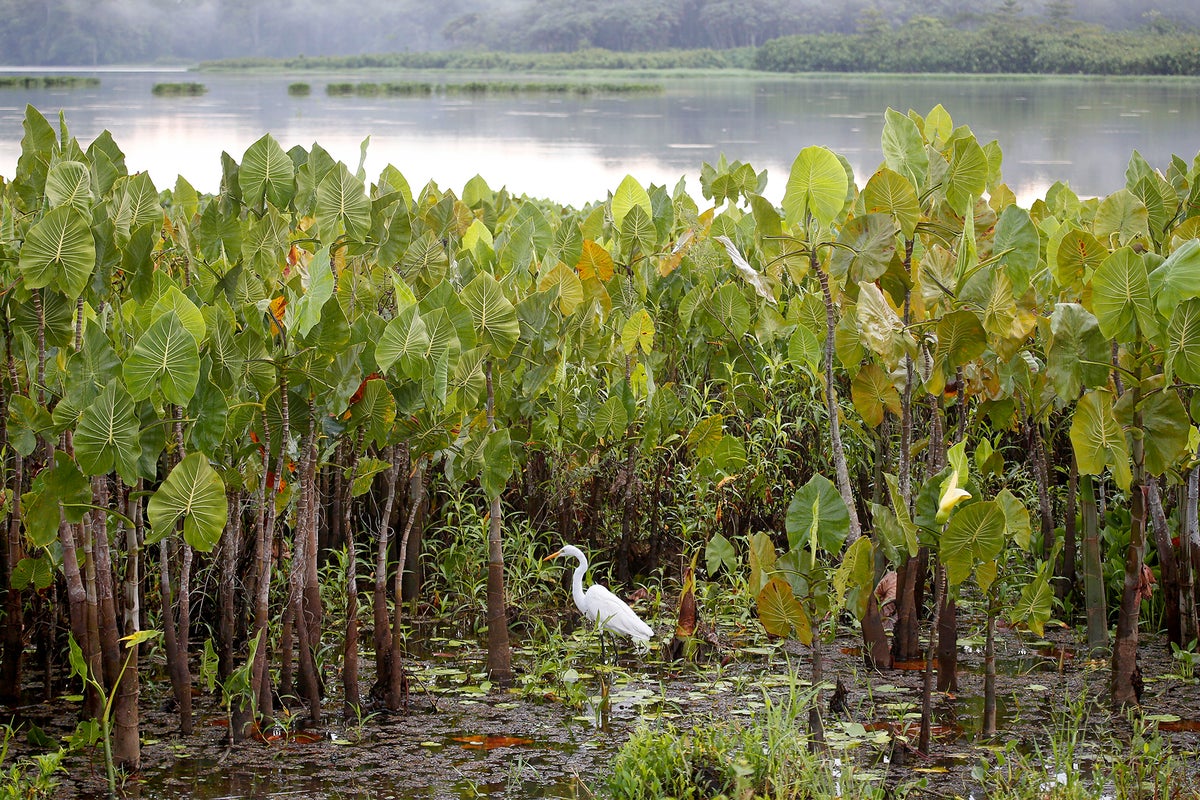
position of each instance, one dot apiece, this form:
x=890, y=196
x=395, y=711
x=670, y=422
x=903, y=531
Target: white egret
x=602, y=606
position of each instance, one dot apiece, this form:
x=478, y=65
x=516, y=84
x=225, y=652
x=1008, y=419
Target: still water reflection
x=574, y=149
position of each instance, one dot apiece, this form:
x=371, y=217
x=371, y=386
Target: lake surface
x=574, y=149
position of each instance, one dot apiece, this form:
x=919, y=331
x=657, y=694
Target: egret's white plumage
x=600, y=605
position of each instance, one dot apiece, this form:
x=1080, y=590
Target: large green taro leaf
x=974, y=534
x=165, y=356
x=59, y=252
x=106, y=438
x=1078, y=353
x=817, y=516
x=904, y=149
x=266, y=173
x=1183, y=343
x=781, y=613
x=341, y=202
x=493, y=316
x=1098, y=440
x=889, y=192
x=816, y=185
x=629, y=195
x=194, y=493
x=1121, y=297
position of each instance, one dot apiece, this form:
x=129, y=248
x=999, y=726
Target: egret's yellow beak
x=555, y=554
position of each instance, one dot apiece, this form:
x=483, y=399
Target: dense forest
x=75, y=32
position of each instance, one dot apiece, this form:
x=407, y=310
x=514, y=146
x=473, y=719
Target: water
x=575, y=149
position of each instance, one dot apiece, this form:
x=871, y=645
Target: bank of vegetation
x=929, y=45
x=47, y=82
x=246, y=436
x=499, y=61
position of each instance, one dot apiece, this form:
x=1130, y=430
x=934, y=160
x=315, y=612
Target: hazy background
x=96, y=32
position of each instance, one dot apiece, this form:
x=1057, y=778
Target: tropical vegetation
x=226, y=417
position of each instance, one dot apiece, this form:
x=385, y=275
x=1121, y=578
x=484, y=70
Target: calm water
x=575, y=149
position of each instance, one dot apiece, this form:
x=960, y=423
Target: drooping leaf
x=904, y=149
x=1016, y=518
x=868, y=244
x=1098, y=440
x=1079, y=253
x=1177, y=279
x=873, y=393
x=195, y=494
x=752, y=276
x=889, y=192
x=1183, y=343
x=498, y=463
x=1017, y=244
x=1165, y=425
x=781, y=613
x=960, y=338
x=638, y=331
x=1078, y=353
x=61, y=492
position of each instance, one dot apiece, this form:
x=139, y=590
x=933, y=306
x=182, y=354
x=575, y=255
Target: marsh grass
x=767, y=757
x=1086, y=759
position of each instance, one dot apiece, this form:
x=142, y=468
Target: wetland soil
x=544, y=738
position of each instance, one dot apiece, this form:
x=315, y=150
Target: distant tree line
x=93, y=32
x=926, y=44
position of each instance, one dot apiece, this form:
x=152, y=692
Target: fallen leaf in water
x=481, y=742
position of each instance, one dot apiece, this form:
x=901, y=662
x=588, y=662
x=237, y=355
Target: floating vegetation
x=425, y=89
x=187, y=89
x=47, y=82
x=299, y=89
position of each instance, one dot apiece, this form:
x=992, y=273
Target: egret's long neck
x=577, y=582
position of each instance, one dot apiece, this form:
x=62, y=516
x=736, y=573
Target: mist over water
x=575, y=149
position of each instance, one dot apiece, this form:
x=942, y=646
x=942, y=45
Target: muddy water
x=551, y=736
